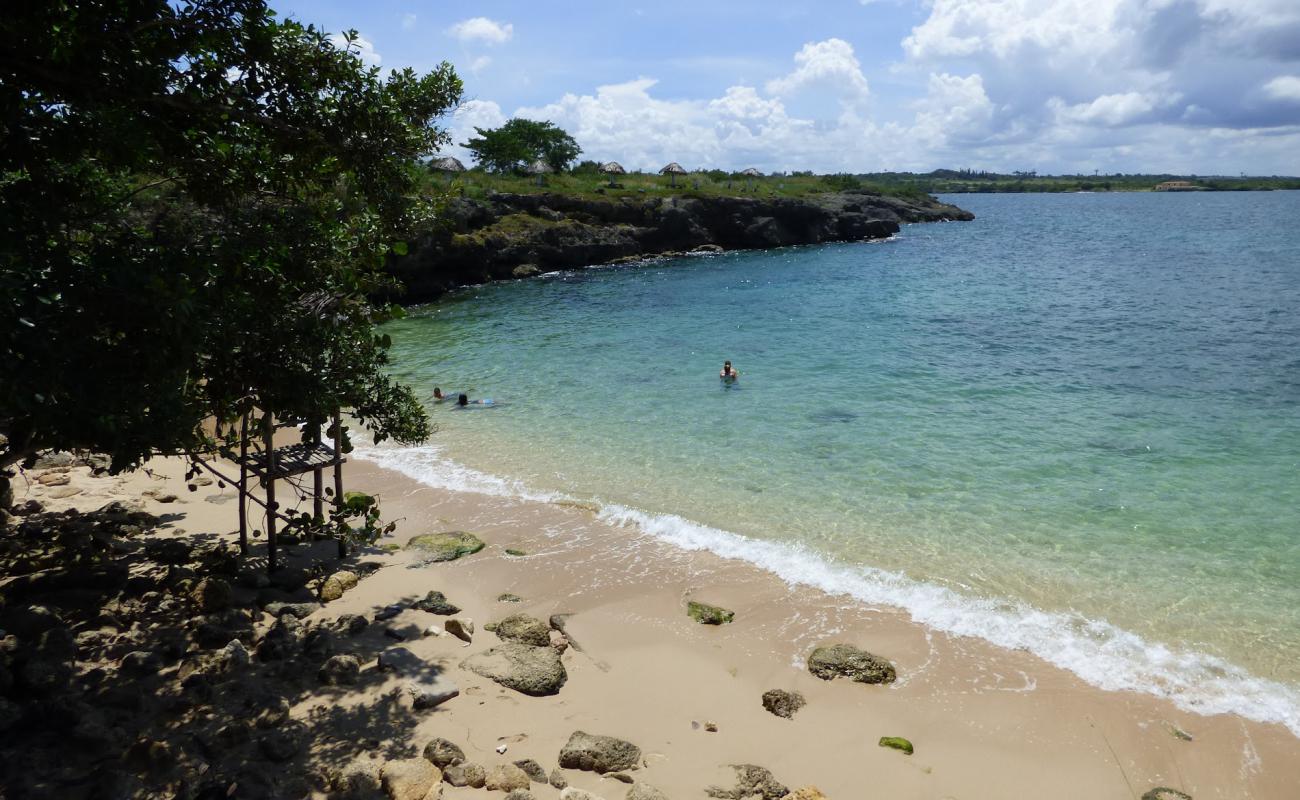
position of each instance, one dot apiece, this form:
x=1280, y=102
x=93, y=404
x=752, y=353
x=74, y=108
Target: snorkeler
x=727, y=373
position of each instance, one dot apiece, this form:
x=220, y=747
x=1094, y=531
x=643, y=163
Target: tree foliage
x=520, y=142
x=196, y=201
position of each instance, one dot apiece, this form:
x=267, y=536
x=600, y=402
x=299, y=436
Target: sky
x=1193, y=87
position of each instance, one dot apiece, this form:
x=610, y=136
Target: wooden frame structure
x=272, y=463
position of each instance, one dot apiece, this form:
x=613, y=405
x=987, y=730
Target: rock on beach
x=844, y=660
x=534, y=671
x=598, y=753
x=446, y=546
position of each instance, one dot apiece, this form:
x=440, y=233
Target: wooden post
x=338, y=475
x=318, y=480
x=243, y=484
x=268, y=434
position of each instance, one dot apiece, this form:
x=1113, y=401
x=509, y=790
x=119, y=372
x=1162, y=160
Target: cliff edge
x=520, y=235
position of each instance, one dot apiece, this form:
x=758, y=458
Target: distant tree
x=587, y=167
x=520, y=142
x=198, y=199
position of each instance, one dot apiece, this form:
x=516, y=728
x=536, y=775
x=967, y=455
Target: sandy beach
x=985, y=722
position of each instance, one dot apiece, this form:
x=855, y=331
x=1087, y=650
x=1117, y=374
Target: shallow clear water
x=1079, y=415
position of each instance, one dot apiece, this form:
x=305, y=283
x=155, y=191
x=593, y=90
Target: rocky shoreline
x=522, y=235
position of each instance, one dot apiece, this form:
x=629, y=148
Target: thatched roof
x=447, y=164
x=751, y=173
x=673, y=169
x=538, y=167
x=613, y=168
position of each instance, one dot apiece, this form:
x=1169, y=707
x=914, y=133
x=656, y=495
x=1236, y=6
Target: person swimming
x=438, y=396
x=463, y=401
x=728, y=373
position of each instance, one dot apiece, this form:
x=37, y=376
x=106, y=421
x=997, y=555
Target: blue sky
x=1184, y=86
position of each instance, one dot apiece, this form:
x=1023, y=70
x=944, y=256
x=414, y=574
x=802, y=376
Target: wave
x=1098, y=652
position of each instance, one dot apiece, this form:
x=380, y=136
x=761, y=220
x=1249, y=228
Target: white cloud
x=1113, y=110
x=479, y=64
x=362, y=47
x=828, y=64
x=1046, y=104
x=1087, y=73
x=482, y=29
x=1285, y=88
x=955, y=110
x=408, y=21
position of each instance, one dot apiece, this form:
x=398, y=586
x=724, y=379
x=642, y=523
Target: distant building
x=1178, y=186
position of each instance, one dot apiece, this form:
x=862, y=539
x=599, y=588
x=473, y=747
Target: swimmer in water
x=463, y=400
x=727, y=373
x=438, y=396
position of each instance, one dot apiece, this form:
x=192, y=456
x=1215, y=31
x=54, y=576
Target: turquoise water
x=1072, y=425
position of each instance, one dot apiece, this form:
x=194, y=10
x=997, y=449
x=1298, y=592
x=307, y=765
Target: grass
x=591, y=185
x=478, y=185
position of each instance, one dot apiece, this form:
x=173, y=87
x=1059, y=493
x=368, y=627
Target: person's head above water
x=437, y=393
x=726, y=368
x=462, y=400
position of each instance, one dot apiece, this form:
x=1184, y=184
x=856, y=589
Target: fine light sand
x=985, y=722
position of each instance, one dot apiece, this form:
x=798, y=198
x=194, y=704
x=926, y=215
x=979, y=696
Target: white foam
x=1100, y=653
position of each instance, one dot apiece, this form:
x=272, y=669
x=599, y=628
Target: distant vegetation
x=586, y=180
x=947, y=180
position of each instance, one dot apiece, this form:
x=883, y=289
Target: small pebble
x=501, y=748
x=711, y=727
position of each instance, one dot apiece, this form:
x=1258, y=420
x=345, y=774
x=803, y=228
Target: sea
x=1071, y=426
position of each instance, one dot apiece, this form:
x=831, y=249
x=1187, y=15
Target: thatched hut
x=538, y=168
x=612, y=168
x=672, y=171
x=446, y=164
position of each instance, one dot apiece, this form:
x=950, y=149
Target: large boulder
x=211, y=595
x=807, y=793
x=598, y=753
x=340, y=670
x=358, y=779
x=534, y=671
x=644, y=791
x=446, y=546
x=844, y=660
x=409, y=778
x=524, y=629
x=436, y=603
x=751, y=781
x=443, y=753
x=462, y=629
x=506, y=778
x=282, y=641
x=471, y=775
x=533, y=769
x=336, y=584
